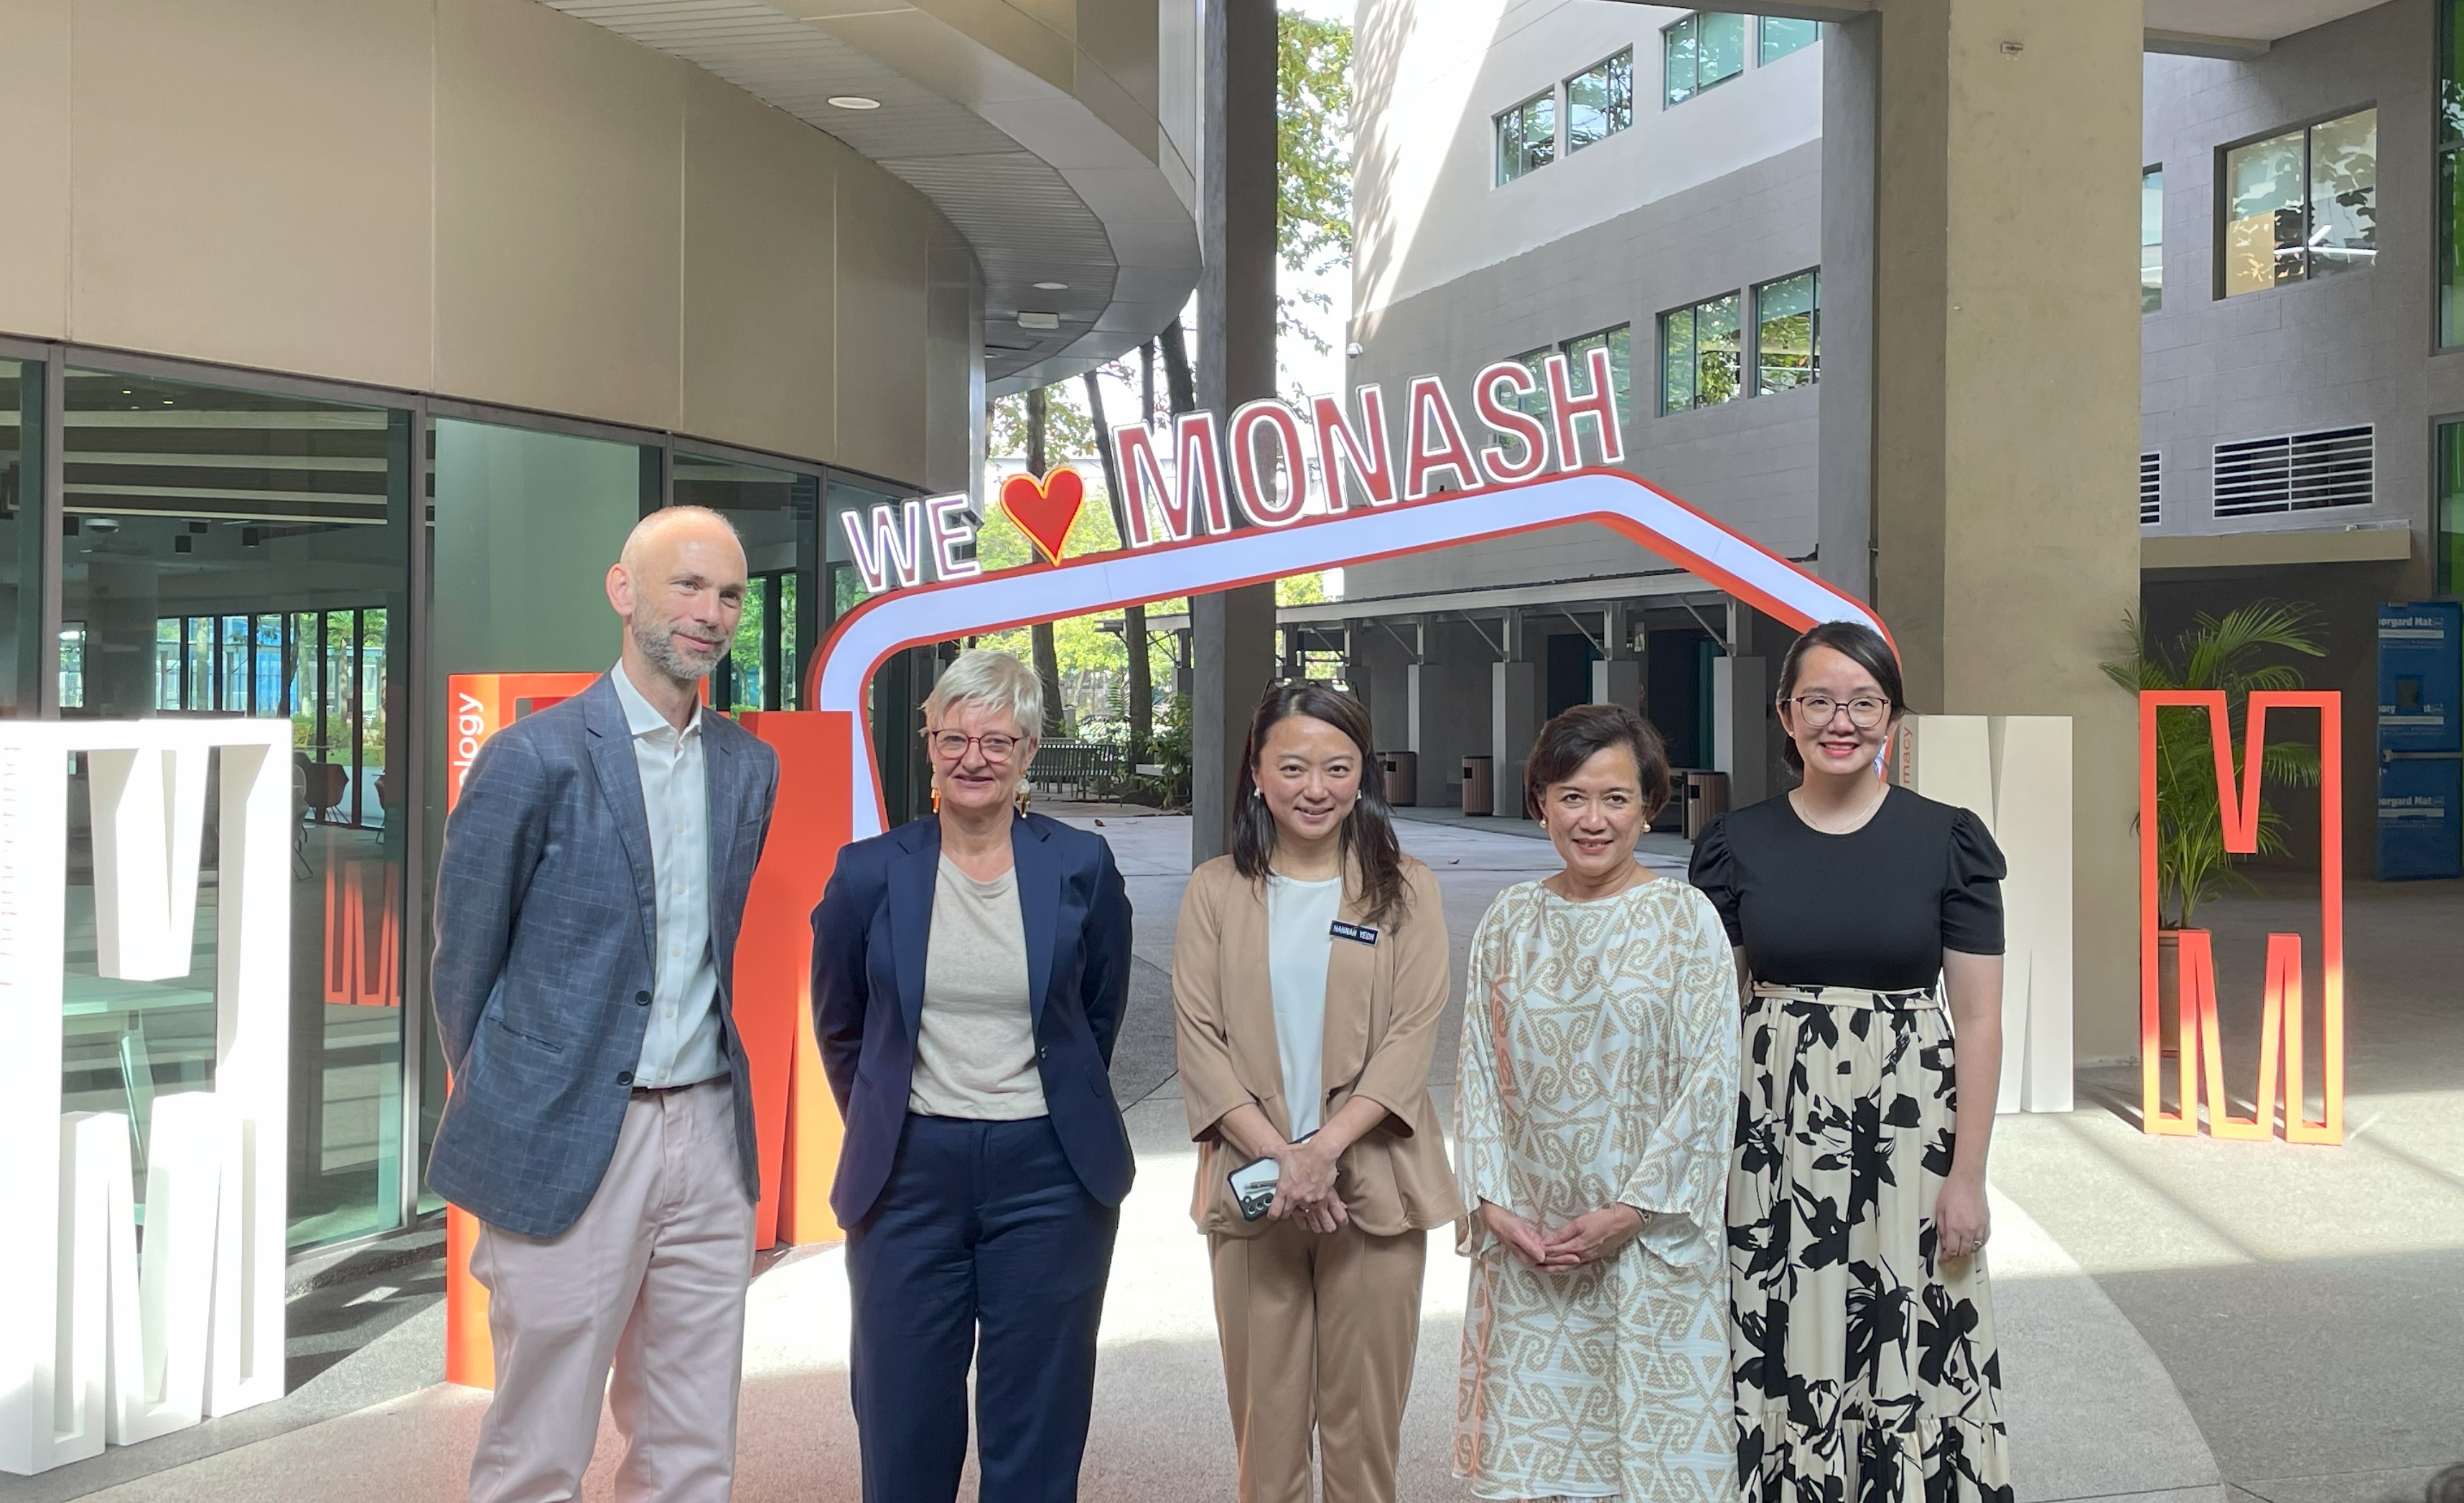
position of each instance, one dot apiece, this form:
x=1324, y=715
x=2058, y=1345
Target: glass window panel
x=1781, y=37
x=1721, y=53
x=2343, y=193
x=21, y=553
x=1718, y=353
x=522, y=531
x=777, y=513
x=1619, y=343
x=1535, y=402
x=1677, y=48
x=2263, y=186
x=2451, y=71
x=1599, y=101
x=202, y=519
x=1677, y=360
x=1526, y=136
x=1785, y=333
x=2450, y=249
x=2151, y=239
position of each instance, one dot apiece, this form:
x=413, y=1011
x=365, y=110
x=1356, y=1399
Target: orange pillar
x=795, y=1119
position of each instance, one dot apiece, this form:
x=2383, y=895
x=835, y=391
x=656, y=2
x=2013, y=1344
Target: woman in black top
x=1862, y=1328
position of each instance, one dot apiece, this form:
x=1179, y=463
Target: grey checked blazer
x=546, y=925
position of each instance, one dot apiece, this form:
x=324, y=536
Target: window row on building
x=1618, y=341
x=1759, y=343
x=1702, y=50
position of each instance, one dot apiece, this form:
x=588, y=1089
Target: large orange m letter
x=2281, y=1026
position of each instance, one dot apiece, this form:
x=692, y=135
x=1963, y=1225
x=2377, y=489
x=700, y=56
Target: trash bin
x=1402, y=774
x=1707, y=798
x=1480, y=786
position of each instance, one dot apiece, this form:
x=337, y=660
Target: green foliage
x=2235, y=656
x=1314, y=146
x=1171, y=749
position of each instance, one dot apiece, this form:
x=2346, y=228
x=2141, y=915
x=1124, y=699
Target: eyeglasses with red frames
x=952, y=745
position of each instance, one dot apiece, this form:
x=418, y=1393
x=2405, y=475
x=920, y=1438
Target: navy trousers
x=984, y=1227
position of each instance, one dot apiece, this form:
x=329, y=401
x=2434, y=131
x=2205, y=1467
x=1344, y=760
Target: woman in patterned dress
x=1866, y=1365
x=1597, y=1086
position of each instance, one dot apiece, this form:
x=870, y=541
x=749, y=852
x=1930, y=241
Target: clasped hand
x=1304, y=1188
x=1592, y=1237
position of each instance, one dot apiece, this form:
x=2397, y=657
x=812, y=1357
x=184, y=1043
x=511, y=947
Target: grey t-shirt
x=975, y=1048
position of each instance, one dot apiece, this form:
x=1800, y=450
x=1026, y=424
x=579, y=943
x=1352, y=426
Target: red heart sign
x=1045, y=511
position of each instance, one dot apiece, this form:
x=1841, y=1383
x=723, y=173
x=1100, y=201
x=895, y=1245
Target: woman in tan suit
x=1308, y=973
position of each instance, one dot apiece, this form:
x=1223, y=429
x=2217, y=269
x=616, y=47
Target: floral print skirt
x=1865, y=1368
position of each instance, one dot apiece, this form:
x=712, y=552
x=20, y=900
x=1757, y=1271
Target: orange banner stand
x=2282, y=1042
x=793, y=1114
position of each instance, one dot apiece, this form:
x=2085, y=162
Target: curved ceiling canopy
x=1040, y=178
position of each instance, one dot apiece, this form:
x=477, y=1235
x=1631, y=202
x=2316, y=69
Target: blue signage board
x=2421, y=676
x=2421, y=819
x=2421, y=741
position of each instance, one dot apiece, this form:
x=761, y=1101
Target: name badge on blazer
x=1362, y=933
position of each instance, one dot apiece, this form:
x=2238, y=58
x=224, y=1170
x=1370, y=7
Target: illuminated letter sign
x=952, y=529
x=1599, y=405
x=1364, y=454
x=1261, y=500
x=97, y=1343
x=1198, y=491
x=2282, y=1014
x=890, y=548
x=1432, y=417
x=1509, y=422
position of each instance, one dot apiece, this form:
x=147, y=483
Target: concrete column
x=1424, y=698
x=1844, y=447
x=2005, y=404
x=1740, y=687
x=1618, y=680
x=1235, y=629
x=1514, y=705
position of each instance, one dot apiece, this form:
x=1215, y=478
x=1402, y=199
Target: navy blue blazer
x=870, y=934
x=546, y=931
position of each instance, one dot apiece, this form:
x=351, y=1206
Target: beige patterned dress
x=1599, y=1067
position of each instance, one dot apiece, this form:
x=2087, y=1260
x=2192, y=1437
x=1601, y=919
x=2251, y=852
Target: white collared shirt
x=682, y=1043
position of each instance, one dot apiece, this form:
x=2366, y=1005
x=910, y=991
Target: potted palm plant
x=2240, y=654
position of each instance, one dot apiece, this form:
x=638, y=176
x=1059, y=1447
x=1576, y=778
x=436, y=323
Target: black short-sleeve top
x=1873, y=909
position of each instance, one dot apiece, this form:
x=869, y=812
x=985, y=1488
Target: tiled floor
x=2181, y=1319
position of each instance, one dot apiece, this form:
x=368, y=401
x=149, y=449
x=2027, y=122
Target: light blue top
x=682, y=1044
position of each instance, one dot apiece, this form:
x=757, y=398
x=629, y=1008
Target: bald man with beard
x=601, y=1121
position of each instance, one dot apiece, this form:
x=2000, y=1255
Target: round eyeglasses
x=1864, y=712
x=952, y=745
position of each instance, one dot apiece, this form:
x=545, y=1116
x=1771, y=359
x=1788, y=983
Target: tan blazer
x=1382, y=1006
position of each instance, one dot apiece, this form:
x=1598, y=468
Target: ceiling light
x=103, y=523
x=1051, y=286
x=853, y=101
x=1039, y=321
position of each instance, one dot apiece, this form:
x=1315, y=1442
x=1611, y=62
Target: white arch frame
x=886, y=624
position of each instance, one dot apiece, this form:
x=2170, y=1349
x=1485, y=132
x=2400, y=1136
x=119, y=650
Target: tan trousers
x=1318, y=1332
x=651, y=1278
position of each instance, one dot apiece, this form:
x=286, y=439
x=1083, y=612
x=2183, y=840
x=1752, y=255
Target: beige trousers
x=651, y=1278
x=1318, y=1334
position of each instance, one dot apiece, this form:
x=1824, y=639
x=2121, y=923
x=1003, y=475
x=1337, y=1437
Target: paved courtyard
x=2182, y=1319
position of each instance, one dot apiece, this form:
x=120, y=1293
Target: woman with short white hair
x=969, y=972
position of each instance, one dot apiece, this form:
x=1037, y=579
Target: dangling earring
x=936, y=798
x=1024, y=794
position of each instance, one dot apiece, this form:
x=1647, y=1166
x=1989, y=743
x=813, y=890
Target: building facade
x=1540, y=175
x=341, y=346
